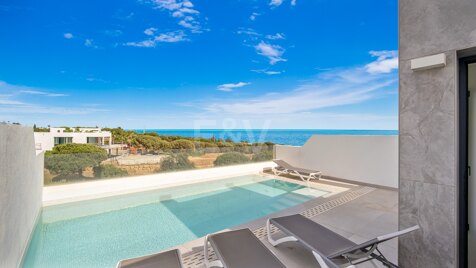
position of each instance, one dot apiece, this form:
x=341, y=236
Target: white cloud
x=276, y=36
x=11, y=102
x=386, y=62
x=113, y=33
x=187, y=4
x=272, y=72
x=37, y=92
x=90, y=43
x=248, y=31
x=332, y=89
x=190, y=23
x=276, y=2
x=272, y=52
x=167, y=4
x=254, y=15
x=230, y=87
x=180, y=9
x=170, y=37
x=41, y=109
x=183, y=11
x=15, y=90
x=145, y=43
x=293, y=2
x=87, y=42
x=267, y=72
x=68, y=35
x=150, y=31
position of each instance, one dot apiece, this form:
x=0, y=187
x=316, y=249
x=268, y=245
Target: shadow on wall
x=364, y=159
x=21, y=186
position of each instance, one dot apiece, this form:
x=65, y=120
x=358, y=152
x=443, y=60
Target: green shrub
x=262, y=156
x=176, y=162
x=150, y=142
x=182, y=144
x=109, y=171
x=69, y=159
x=225, y=146
x=205, y=144
x=40, y=129
x=119, y=135
x=207, y=147
x=153, y=134
x=243, y=147
x=232, y=158
x=69, y=164
x=161, y=145
x=75, y=148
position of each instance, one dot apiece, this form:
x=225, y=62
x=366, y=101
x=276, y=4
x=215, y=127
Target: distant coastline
x=294, y=137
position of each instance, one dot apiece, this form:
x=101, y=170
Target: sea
x=296, y=137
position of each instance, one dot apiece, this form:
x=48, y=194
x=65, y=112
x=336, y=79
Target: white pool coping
x=54, y=195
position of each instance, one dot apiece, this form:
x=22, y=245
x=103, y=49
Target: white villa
x=45, y=141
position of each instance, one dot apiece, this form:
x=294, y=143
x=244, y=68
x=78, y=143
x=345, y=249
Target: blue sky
x=200, y=64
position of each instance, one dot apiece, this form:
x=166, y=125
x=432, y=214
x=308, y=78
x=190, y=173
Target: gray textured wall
x=21, y=186
x=428, y=127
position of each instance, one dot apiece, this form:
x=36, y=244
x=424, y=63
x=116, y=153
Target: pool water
x=99, y=233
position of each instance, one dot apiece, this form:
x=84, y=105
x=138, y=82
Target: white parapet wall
x=366, y=159
x=21, y=185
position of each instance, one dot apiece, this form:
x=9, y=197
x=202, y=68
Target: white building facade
x=45, y=141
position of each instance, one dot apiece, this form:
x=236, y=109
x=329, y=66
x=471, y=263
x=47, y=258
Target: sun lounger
x=328, y=244
x=165, y=259
x=286, y=168
x=238, y=249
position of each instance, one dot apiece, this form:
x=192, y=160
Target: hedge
x=232, y=158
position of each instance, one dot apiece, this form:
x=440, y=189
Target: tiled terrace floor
x=363, y=218
x=359, y=220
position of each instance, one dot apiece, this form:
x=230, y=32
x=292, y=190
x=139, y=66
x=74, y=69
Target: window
x=93, y=140
x=63, y=140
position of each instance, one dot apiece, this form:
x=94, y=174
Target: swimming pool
x=99, y=233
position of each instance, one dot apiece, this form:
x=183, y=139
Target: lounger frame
x=306, y=177
x=179, y=254
x=357, y=254
x=215, y=263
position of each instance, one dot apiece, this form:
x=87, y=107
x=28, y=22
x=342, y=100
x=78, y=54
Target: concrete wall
x=21, y=186
x=428, y=128
x=366, y=159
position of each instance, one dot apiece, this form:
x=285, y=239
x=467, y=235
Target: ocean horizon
x=296, y=137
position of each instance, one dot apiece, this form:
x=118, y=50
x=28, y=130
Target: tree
x=150, y=143
x=182, y=144
x=232, y=158
x=176, y=162
x=72, y=158
x=109, y=171
x=40, y=129
x=262, y=156
x=154, y=134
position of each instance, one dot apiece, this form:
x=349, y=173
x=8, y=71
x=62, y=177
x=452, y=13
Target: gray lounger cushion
x=313, y=235
x=286, y=165
x=166, y=259
x=241, y=248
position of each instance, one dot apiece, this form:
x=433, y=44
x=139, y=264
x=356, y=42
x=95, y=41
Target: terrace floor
x=359, y=214
x=360, y=220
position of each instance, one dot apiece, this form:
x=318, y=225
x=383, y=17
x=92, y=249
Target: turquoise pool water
x=99, y=233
